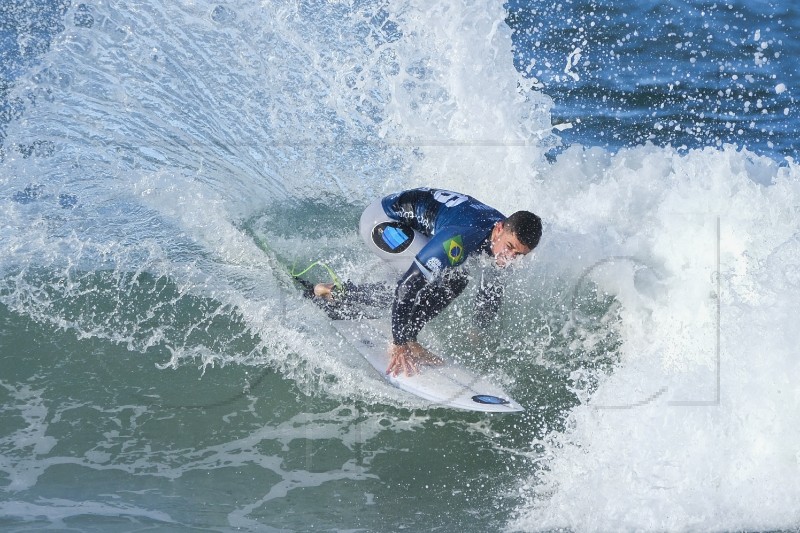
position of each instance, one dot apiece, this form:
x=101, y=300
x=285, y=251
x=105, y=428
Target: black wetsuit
x=458, y=226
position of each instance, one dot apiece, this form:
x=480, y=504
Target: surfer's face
x=505, y=245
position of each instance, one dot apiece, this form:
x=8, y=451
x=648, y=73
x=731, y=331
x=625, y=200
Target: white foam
x=458, y=100
x=695, y=427
x=175, y=119
x=61, y=513
x=32, y=438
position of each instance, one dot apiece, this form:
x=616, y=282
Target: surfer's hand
x=399, y=361
x=406, y=358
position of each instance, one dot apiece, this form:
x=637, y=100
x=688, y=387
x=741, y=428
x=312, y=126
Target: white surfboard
x=448, y=385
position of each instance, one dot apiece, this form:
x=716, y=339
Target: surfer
x=429, y=233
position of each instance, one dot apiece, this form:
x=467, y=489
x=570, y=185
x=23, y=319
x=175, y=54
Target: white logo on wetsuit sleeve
x=434, y=265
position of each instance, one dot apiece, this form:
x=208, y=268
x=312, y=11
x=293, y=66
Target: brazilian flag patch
x=455, y=250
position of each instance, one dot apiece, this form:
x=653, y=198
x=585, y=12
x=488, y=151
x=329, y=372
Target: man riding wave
x=429, y=233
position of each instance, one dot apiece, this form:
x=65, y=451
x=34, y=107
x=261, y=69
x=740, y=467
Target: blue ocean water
x=163, y=164
x=687, y=74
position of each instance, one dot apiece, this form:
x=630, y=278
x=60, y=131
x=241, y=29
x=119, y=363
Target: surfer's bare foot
x=406, y=358
x=324, y=290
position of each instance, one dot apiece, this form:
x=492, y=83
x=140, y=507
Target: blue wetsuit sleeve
x=409, y=315
x=405, y=325
x=445, y=251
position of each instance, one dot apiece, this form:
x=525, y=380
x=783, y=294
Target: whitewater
x=163, y=162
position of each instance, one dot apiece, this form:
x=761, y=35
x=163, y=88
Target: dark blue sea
x=164, y=164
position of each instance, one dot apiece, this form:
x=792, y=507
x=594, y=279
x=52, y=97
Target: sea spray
x=693, y=427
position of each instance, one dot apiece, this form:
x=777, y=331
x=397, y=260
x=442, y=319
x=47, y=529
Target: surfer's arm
x=420, y=296
x=487, y=303
x=406, y=324
x=405, y=353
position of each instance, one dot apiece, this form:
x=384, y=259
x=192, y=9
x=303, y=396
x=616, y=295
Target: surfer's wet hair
x=526, y=226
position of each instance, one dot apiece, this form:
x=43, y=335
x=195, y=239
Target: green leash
x=336, y=281
x=261, y=243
